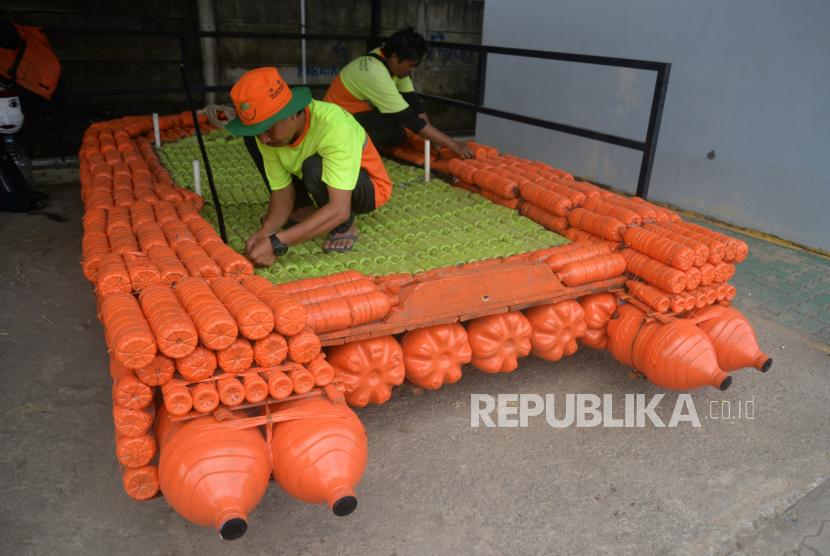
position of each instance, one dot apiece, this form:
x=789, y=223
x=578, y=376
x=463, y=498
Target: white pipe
x=207, y=22
x=156, y=129
x=302, y=31
x=426, y=159
x=197, y=178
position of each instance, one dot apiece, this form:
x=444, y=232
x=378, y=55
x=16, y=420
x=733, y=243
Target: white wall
x=750, y=80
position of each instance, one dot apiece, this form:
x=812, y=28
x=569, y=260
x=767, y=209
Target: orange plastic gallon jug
x=497, y=341
x=210, y=472
x=733, y=338
x=433, y=355
x=555, y=329
x=368, y=369
x=320, y=459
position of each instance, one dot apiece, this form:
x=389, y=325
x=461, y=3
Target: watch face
x=280, y=249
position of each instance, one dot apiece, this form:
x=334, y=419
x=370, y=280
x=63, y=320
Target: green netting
x=425, y=225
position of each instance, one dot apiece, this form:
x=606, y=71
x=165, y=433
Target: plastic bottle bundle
x=128, y=334
x=605, y=227
x=175, y=334
x=217, y=328
x=113, y=275
x=254, y=318
x=171, y=270
x=592, y=270
x=289, y=315
x=623, y=214
x=197, y=262
x=231, y=262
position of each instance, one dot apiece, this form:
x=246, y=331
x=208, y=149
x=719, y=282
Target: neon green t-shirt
x=330, y=132
x=369, y=80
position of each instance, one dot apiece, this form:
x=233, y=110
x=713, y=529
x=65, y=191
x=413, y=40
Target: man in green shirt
x=377, y=90
x=305, y=150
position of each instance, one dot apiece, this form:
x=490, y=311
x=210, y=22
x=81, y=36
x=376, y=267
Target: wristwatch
x=280, y=249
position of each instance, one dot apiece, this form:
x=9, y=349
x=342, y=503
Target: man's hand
x=262, y=253
x=254, y=239
x=461, y=150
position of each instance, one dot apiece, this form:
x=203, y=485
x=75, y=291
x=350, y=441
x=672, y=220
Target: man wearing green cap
x=305, y=150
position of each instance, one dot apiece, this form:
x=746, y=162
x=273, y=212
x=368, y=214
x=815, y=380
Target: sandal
x=340, y=249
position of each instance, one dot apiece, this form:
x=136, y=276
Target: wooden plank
x=397, y=321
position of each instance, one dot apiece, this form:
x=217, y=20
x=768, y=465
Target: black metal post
x=482, y=77
x=58, y=119
x=661, y=84
x=375, y=31
x=213, y=194
x=185, y=45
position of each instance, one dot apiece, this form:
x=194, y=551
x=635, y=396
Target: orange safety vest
x=32, y=64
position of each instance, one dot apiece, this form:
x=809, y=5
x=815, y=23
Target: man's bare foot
x=341, y=242
x=302, y=213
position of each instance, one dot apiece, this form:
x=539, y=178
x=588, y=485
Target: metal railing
x=647, y=147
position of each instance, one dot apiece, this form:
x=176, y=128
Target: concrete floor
x=433, y=484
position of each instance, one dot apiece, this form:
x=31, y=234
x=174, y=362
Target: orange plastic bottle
x=177, y=398
x=598, y=308
x=211, y=473
x=734, y=339
x=231, y=391
x=302, y=380
x=321, y=370
x=555, y=329
x=256, y=389
x=205, y=397
x=368, y=369
x=320, y=459
x=433, y=355
x=497, y=341
x=279, y=385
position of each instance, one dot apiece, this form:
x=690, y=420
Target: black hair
x=407, y=44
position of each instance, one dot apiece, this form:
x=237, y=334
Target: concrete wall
x=123, y=62
x=749, y=88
